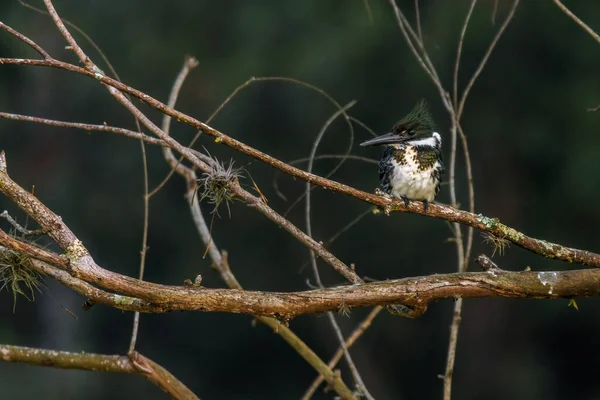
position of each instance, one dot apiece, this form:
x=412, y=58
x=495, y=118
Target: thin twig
x=363, y=125
x=471, y=190
x=423, y=60
x=463, y=257
x=221, y=264
x=85, y=127
x=357, y=333
x=68, y=37
x=593, y=109
x=369, y=11
x=485, y=58
x=220, y=261
x=25, y=39
x=353, y=369
x=18, y=227
x=307, y=218
x=82, y=33
x=418, y=19
x=144, y=249
x=334, y=157
x=578, y=21
x=459, y=52
x=189, y=64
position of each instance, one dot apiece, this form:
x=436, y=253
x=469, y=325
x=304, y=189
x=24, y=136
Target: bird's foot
x=425, y=205
x=406, y=200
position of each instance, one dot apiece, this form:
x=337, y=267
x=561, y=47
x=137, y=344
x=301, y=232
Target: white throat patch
x=435, y=141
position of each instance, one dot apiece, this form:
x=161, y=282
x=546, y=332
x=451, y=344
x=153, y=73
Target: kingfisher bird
x=411, y=167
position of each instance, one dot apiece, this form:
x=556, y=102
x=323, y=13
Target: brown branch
x=359, y=383
x=26, y=40
x=221, y=264
x=489, y=51
x=417, y=292
x=577, y=20
x=459, y=52
x=69, y=38
x=492, y=225
x=85, y=127
x=97, y=296
x=27, y=232
x=220, y=259
x=189, y=64
x=439, y=211
x=138, y=365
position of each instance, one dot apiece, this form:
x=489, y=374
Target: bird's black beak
x=387, y=138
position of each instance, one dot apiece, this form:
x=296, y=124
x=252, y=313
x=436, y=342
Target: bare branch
x=18, y=227
x=69, y=38
x=336, y=328
x=25, y=39
x=144, y=247
x=485, y=58
x=139, y=365
x=491, y=225
x=577, y=20
x=422, y=58
x=418, y=19
x=85, y=127
x=221, y=264
x=189, y=63
x=459, y=52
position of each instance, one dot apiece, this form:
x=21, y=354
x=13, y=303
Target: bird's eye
x=412, y=133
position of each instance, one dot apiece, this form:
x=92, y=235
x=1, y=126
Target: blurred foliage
x=534, y=149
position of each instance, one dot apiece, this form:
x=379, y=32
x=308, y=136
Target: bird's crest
x=418, y=121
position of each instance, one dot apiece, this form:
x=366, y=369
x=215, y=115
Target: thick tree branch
x=417, y=292
x=138, y=364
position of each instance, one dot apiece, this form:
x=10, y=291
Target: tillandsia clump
x=17, y=275
x=213, y=186
x=499, y=244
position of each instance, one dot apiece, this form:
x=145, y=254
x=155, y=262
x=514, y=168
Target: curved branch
x=138, y=364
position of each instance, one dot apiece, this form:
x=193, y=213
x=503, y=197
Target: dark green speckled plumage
x=419, y=121
x=411, y=167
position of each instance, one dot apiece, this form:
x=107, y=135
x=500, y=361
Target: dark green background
x=534, y=150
